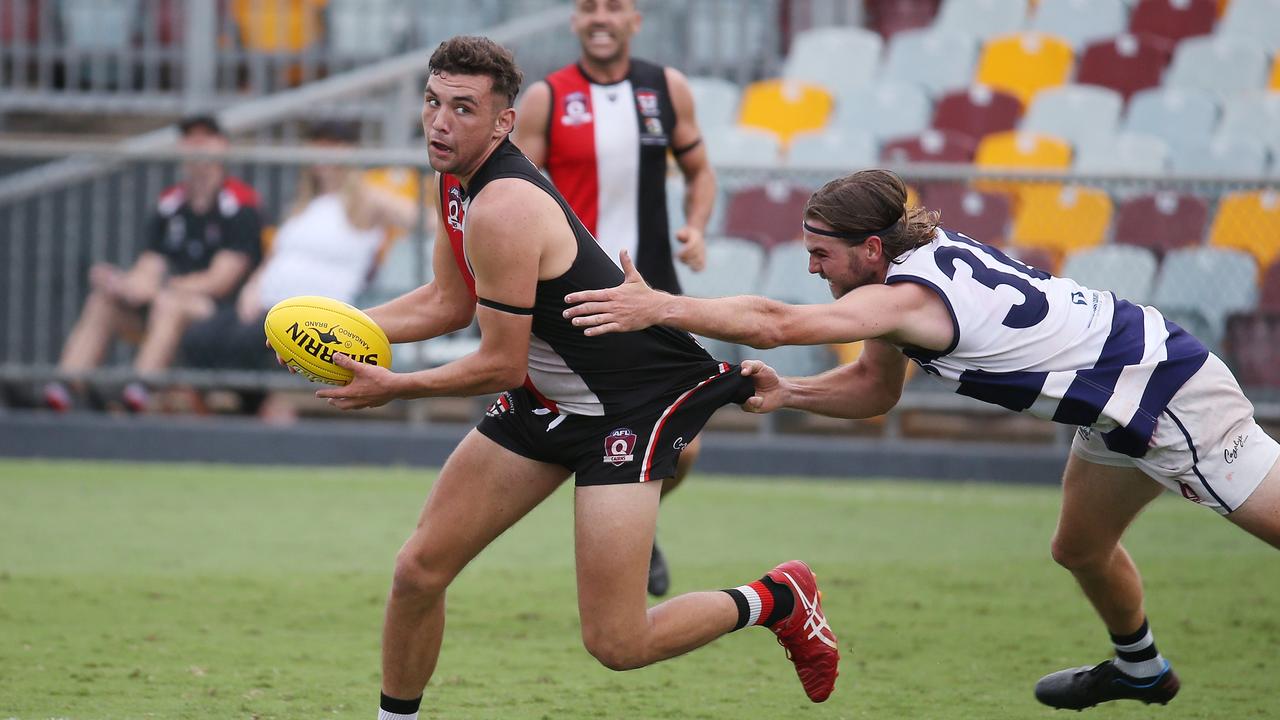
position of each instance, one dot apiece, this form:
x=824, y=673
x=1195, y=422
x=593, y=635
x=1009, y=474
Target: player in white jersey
x=1155, y=409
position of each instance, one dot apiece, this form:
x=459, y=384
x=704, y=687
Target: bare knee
x=613, y=651
x=1080, y=554
x=420, y=575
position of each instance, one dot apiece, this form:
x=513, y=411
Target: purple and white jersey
x=1048, y=346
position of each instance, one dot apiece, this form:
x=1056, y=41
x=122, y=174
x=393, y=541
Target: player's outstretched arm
x=869, y=312
x=867, y=387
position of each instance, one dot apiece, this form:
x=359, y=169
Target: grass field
x=166, y=591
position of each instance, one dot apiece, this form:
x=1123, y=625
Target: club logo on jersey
x=620, y=447
x=500, y=405
x=647, y=101
x=576, y=110
x=455, y=208
x=653, y=126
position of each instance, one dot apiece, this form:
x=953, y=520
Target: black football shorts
x=640, y=445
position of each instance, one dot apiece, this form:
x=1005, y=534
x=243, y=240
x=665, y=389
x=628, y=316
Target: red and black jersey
x=607, y=153
x=571, y=373
x=188, y=240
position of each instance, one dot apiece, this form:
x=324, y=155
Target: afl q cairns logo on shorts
x=620, y=447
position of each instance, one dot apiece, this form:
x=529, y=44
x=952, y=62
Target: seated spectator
x=201, y=242
x=337, y=228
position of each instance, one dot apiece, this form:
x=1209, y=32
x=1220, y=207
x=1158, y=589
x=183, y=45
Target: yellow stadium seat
x=276, y=26
x=1275, y=74
x=785, y=108
x=1061, y=220
x=1015, y=150
x=1025, y=63
x=1249, y=221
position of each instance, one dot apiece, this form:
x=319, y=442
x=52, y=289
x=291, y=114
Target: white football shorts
x=1207, y=447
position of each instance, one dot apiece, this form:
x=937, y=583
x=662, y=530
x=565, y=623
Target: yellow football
x=307, y=330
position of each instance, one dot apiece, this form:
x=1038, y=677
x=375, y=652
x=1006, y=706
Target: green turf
x=171, y=591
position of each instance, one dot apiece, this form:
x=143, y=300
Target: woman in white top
x=329, y=245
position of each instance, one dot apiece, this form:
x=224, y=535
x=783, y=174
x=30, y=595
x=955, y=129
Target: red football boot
x=808, y=639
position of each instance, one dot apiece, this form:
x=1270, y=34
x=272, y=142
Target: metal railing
x=51, y=237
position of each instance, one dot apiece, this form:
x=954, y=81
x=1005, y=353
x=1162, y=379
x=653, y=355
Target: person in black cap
x=201, y=242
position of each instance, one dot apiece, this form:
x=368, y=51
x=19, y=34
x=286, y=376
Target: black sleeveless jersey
x=568, y=371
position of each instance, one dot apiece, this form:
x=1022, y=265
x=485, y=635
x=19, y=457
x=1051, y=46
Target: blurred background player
x=338, y=227
x=602, y=128
x=202, y=240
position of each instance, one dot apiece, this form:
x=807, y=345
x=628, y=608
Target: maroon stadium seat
x=888, y=17
x=767, y=214
x=983, y=216
x=1162, y=221
x=930, y=146
x=1171, y=21
x=1252, y=344
x=977, y=112
x=1126, y=64
x=1270, y=296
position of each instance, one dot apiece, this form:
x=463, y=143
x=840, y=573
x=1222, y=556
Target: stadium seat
x=981, y=215
x=1171, y=21
x=884, y=109
x=891, y=18
x=1080, y=22
x=1023, y=150
x=1077, y=113
x=1223, y=155
x=1162, y=221
x=767, y=214
x=1126, y=270
x=19, y=21
x=1269, y=298
x=977, y=112
x=1020, y=151
x=936, y=59
x=838, y=59
x=1219, y=65
x=843, y=150
x=785, y=108
x=1258, y=20
x=982, y=18
x=738, y=34
x=744, y=147
x=1252, y=347
x=1198, y=288
x=98, y=25
x=1123, y=154
x=1025, y=63
x=930, y=146
x=287, y=26
x=367, y=28
x=1179, y=116
x=716, y=102
x=675, y=206
x=1061, y=219
x=1274, y=82
x=787, y=277
x=1256, y=116
x=734, y=267
x=1249, y=221
x=436, y=22
x=1126, y=64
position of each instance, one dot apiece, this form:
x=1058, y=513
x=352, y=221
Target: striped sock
x=390, y=708
x=1136, y=654
x=763, y=602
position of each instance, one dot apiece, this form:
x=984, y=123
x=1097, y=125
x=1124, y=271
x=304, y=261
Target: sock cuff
x=1135, y=640
x=394, y=708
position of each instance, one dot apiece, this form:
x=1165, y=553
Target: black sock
x=396, y=706
x=763, y=602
